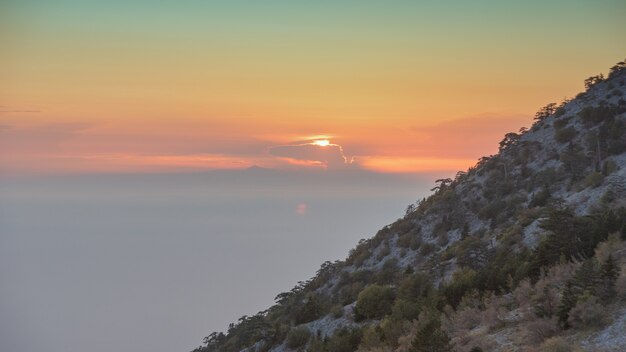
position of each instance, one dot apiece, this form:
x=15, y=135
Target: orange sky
x=403, y=88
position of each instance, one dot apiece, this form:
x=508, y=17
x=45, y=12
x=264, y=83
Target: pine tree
x=608, y=273
x=586, y=278
x=431, y=338
x=568, y=301
x=609, y=269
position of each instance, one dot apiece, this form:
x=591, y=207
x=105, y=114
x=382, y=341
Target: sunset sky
x=395, y=86
x=112, y=235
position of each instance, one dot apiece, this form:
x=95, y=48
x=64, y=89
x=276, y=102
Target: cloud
x=330, y=156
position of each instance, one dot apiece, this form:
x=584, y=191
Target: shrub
x=442, y=238
x=564, y=135
x=588, y=312
x=388, y=272
x=393, y=329
x=374, y=302
x=344, y=340
x=594, y=115
x=463, y=280
x=593, y=180
x=336, y=311
x=466, y=318
x=358, y=254
x=404, y=240
x=316, y=345
x=540, y=198
x=427, y=248
x=494, y=314
x=371, y=339
x=475, y=343
x=575, y=162
x=620, y=286
x=416, y=242
x=558, y=124
x=314, y=307
x=557, y=344
x=540, y=329
x=384, y=251
x=298, y=337
x=430, y=337
x=405, y=310
x=609, y=167
x=414, y=287
x=350, y=292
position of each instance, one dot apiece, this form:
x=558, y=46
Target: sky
x=169, y=166
x=401, y=86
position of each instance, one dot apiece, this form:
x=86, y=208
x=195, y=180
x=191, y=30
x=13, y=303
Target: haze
x=156, y=262
x=167, y=167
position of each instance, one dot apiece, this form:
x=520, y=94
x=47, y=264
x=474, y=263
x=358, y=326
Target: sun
x=321, y=142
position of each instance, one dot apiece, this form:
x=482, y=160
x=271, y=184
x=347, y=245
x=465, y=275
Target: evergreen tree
x=431, y=338
x=586, y=278
x=568, y=301
x=608, y=273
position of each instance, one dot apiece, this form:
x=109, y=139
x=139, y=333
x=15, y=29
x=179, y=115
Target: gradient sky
x=119, y=86
x=142, y=257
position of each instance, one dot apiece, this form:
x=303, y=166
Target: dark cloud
x=332, y=155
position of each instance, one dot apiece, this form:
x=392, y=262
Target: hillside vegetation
x=525, y=251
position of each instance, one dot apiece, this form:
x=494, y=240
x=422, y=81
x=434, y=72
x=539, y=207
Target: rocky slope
x=484, y=262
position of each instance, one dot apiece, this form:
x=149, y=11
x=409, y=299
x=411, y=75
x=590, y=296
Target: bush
x=587, y=313
x=350, y=292
x=463, y=280
x=416, y=242
x=387, y=274
x=558, y=124
x=404, y=241
x=593, y=180
x=344, y=340
x=414, y=287
x=372, y=339
x=430, y=337
x=336, y=311
x=594, y=115
x=564, y=135
x=405, y=310
x=392, y=330
x=384, y=251
x=540, y=329
x=609, y=167
x=374, y=302
x=314, y=307
x=557, y=344
x=427, y=248
x=540, y=198
x=298, y=337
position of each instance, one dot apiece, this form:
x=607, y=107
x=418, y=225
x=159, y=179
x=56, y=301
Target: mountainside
x=524, y=251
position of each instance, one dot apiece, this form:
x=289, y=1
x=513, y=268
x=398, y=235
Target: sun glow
x=321, y=142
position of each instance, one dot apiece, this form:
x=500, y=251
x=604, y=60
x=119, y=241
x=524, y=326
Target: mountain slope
x=524, y=250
